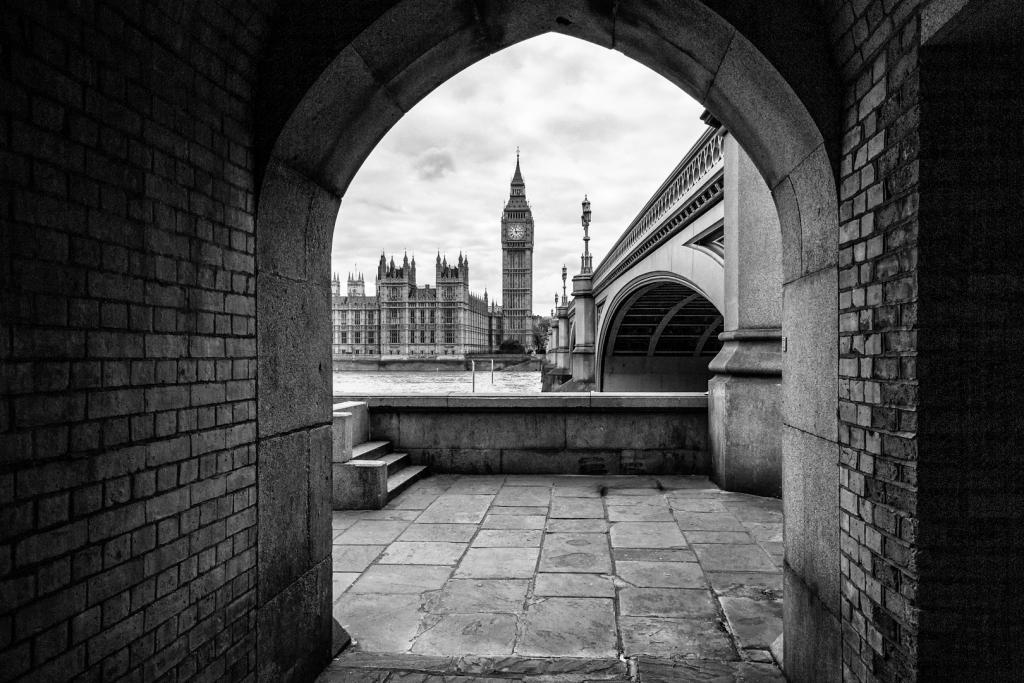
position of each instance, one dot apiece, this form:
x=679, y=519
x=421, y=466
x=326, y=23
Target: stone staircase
x=366, y=474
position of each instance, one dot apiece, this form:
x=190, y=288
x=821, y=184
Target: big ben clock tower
x=517, y=263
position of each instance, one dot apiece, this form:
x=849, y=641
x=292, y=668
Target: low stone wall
x=564, y=433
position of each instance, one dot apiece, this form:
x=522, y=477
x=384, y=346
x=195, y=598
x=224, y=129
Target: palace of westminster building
x=403, y=320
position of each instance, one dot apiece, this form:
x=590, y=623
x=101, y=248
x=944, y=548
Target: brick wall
x=877, y=47
x=127, y=426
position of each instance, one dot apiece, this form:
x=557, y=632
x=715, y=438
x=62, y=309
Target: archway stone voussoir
x=508, y=22
x=819, y=229
x=342, y=94
x=758, y=107
x=789, y=222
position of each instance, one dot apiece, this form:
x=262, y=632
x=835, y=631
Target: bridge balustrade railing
x=699, y=163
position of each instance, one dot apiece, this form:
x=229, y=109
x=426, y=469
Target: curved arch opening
x=661, y=338
x=336, y=104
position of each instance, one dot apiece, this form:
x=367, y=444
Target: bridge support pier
x=583, y=360
x=745, y=395
x=745, y=412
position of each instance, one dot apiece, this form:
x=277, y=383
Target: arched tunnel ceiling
x=669, y=319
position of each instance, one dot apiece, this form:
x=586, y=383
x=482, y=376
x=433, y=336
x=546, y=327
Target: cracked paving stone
x=457, y=509
x=598, y=526
x=371, y=532
x=496, y=521
x=452, y=533
x=397, y=578
x=661, y=574
x=467, y=634
x=423, y=552
x=673, y=603
x=641, y=511
x=469, y=596
x=708, y=521
x=569, y=627
x=498, y=563
x=341, y=581
x=574, y=586
x=755, y=623
x=380, y=623
x=662, y=671
x=524, y=495
x=756, y=585
x=737, y=537
x=520, y=510
x=653, y=555
x=675, y=638
x=575, y=553
x=508, y=538
x=354, y=558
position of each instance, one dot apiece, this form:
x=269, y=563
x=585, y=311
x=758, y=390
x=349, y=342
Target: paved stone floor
x=567, y=578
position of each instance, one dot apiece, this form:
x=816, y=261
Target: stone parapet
x=564, y=433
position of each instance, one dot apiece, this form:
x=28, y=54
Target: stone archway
x=666, y=298
x=333, y=85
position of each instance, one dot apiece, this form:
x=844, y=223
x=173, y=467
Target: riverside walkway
x=569, y=578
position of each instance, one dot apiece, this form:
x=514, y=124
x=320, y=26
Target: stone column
x=562, y=352
x=583, y=368
x=745, y=395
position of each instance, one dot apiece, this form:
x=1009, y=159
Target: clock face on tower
x=516, y=231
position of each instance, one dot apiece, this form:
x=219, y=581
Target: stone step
x=404, y=478
x=371, y=450
x=395, y=461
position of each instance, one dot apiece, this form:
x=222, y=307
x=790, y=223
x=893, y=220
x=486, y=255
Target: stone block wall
x=561, y=433
x=128, y=502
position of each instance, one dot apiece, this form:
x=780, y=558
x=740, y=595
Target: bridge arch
x=332, y=83
x=658, y=333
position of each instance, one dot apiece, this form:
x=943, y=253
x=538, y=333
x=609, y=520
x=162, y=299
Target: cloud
x=434, y=164
x=588, y=121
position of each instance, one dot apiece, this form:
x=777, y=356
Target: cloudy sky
x=587, y=121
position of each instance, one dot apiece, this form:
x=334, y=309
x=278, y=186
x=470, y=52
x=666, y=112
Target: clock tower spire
x=517, y=263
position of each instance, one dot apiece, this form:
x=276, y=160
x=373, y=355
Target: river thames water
x=439, y=382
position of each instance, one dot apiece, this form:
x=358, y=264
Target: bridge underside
x=662, y=339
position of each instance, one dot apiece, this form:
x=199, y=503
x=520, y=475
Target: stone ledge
x=567, y=401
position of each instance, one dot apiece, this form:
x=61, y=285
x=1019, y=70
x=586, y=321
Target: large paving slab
x=466, y=577
x=523, y=495
x=575, y=627
x=474, y=596
x=646, y=535
x=724, y=558
x=397, y=578
x=577, y=508
x=661, y=574
x=467, y=634
x=755, y=623
x=675, y=638
x=423, y=552
x=457, y=509
x=379, y=623
x=498, y=563
x=569, y=552
x=575, y=585
x=453, y=533
x=678, y=603
x=371, y=532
